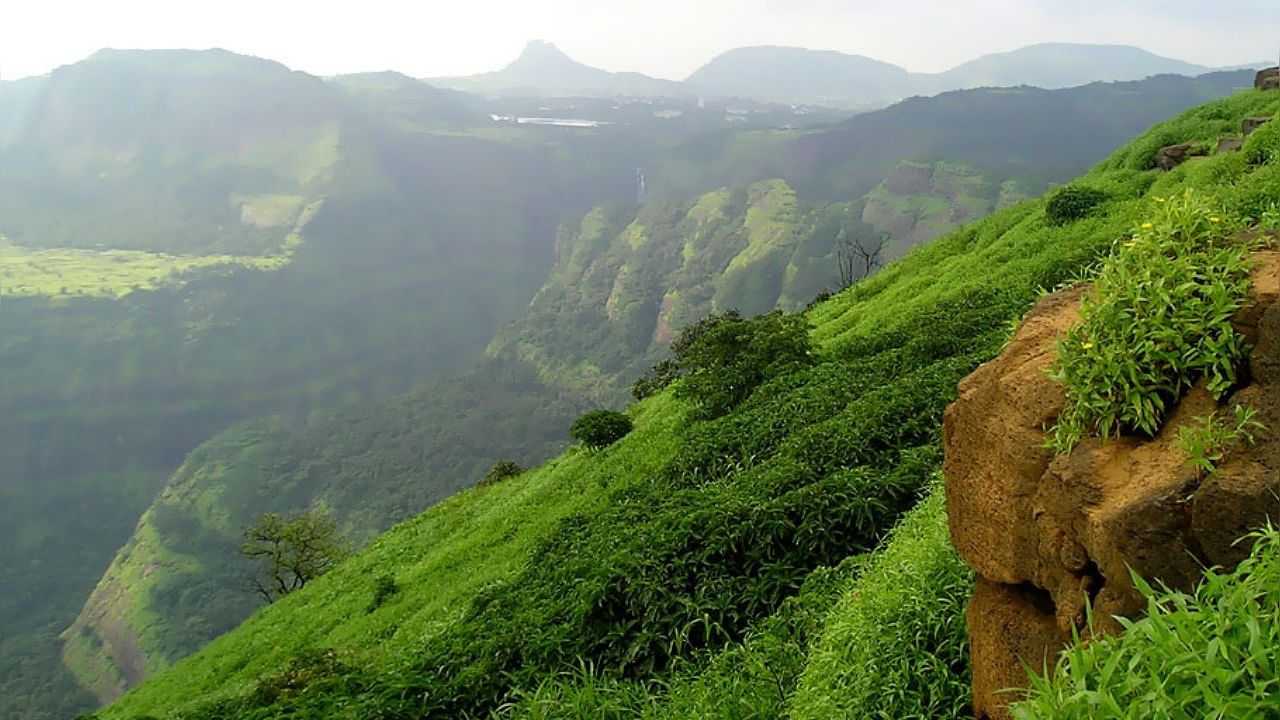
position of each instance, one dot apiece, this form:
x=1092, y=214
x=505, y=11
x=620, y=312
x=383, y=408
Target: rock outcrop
x=1248, y=125
x=1268, y=79
x=1050, y=535
x=1172, y=156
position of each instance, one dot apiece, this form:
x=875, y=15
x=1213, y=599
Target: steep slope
x=199, y=238
x=543, y=69
x=625, y=280
x=569, y=588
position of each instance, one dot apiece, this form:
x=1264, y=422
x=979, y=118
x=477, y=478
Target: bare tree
x=857, y=258
x=291, y=551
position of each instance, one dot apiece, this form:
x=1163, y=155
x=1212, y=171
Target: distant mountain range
x=824, y=77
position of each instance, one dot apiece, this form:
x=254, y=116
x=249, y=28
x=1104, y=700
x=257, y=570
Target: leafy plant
x=1073, y=202
x=1210, y=438
x=600, y=428
x=1157, y=320
x=292, y=551
x=1210, y=654
x=1262, y=147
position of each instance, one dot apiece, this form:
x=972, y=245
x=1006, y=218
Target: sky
x=664, y=38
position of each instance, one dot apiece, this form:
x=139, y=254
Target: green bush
x=500, y=471
x=1071, y=203
x=668, y=371
x=383, y=588
x=724, y=364
x=1157, y=320
x=1262, y=147
x=1211, y=654
x=600, y=428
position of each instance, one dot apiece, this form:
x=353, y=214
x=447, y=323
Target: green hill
x=625, y=279
x=193, y=239
x=714, y=561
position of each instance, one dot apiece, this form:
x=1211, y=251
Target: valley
x=229, y=288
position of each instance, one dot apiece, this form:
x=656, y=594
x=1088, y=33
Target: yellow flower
x=1147, y=226
x=1087, y=346
x=1159, y=199
x=1131, y=243
x=1215, y=219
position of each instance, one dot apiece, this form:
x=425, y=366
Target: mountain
x=799, y=75
x=542, y=69
x=1057, y=65
x=856, y=82
x=728, y=558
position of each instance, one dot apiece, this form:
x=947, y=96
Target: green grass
x=1207, y=654
x=687, y=570
x=71, y=272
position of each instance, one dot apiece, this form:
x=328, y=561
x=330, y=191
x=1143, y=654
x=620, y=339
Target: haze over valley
x=598, y=388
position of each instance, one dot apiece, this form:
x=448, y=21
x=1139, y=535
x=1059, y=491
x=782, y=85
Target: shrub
x=600, y=428
x=724, y=364
x=1073, y=202
x=1262, y=147
x=671, y=369
x=500, y=471
x=1157, y=320
x=383, y=588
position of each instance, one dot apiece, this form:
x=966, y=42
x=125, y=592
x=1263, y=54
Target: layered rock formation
x=1049, y=536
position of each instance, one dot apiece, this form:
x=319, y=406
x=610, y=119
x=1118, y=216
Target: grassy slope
x=910, y=332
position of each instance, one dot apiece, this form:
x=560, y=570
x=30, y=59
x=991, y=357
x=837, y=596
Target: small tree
x=600, y=428
x=291, y=551
x=857, y=258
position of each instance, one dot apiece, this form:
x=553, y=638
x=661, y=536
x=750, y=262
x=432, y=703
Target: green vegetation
x=1157, y=320
x=405, y=274
x=292, y=551
x=1209, y=654
x=662, y=574
x=600, y=428
x=500, y=471
x=1073, y=203
x=1211, y=438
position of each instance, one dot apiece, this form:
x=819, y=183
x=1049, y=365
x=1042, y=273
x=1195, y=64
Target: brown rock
x=1226, y=145
x=994, y=436
x=1050, y=536
x=1170, y=157
x=1011, y=628
x=1268, y=79
x=1249, y=124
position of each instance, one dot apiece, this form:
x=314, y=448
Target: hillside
x=717, y=557
x=823, y=77
x=625, y=279
x=194, y=239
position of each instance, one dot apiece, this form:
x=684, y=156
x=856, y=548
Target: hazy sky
x=667, y=38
